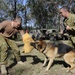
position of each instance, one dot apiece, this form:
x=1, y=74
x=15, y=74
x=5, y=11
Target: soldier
x=7, y=30
x=69, y=19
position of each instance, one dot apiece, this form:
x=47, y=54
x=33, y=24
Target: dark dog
x=51, y=52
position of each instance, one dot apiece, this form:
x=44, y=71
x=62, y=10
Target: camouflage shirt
x=70, y=21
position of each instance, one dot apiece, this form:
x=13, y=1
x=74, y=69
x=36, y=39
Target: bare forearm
x=22, y=32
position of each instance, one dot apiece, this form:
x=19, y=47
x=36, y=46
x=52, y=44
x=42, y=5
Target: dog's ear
x=41, y=39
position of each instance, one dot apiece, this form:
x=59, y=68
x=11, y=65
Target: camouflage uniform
x=70, y=21
x=6, y=32
x=9, y=28
x=4, y=44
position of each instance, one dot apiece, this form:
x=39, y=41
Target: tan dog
x=27, y=39
x=51, y=51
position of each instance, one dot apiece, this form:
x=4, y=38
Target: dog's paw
x=46, y=69
x=43, y=65
x=67, y=69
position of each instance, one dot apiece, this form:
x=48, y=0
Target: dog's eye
x=40, y=46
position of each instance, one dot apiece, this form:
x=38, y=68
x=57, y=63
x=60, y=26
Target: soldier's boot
x=3, y=70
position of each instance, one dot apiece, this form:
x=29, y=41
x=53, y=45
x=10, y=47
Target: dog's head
x=39, y=45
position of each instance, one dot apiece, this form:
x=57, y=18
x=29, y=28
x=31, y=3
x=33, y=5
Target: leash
x=71, y=32
x=72, y=42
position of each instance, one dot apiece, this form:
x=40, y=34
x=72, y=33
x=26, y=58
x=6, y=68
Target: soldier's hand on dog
x=67, y=27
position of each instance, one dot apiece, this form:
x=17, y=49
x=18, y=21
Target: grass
x=33, y=65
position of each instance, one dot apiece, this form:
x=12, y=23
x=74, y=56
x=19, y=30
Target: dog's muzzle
x=32, y=44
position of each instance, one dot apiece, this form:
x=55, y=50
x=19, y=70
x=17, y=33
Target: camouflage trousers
x=73, y=40
x=5, y=43
x=69, y=42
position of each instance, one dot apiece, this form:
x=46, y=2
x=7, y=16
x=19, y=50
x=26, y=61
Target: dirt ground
x=33, y=65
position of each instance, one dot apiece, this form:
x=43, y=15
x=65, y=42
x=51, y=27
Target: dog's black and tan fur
x=51, y=52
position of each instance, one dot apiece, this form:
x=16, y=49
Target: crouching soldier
x=7, y=30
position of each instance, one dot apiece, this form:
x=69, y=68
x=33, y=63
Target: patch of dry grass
x=33, y=65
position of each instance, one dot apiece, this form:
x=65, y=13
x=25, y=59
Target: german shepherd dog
x=52, y=51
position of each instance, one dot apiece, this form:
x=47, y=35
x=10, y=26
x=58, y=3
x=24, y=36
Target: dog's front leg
x=49, y=64
x=45, y=61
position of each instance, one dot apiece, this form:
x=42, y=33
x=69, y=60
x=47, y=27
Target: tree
x=46, y=12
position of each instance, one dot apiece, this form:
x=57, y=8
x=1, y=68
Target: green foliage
x=46, y=12
x=39, y=12
x=10, y=8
